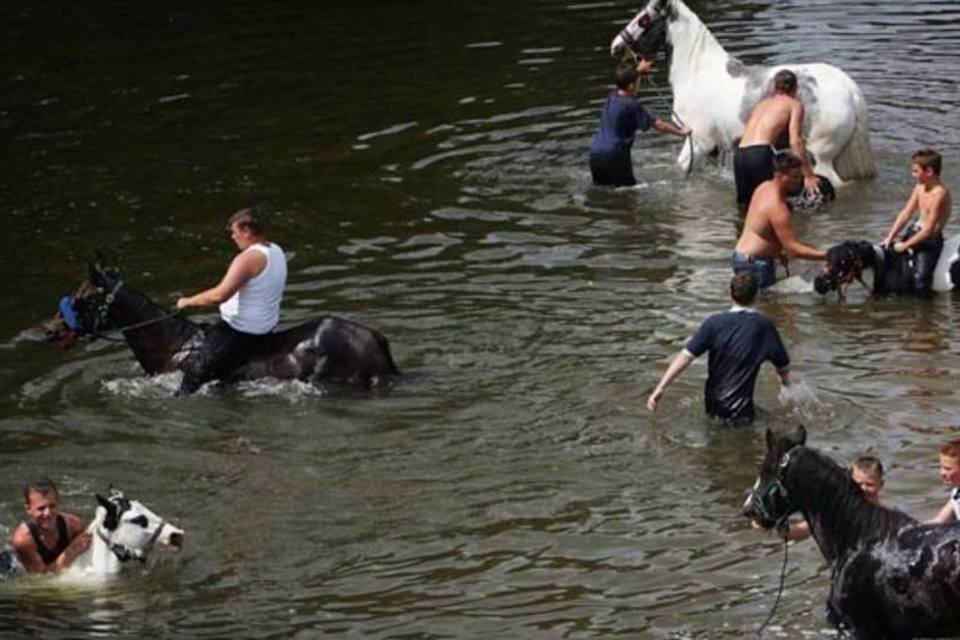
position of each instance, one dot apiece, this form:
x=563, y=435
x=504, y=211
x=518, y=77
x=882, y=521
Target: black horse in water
x=891, y=577
x=892, y=272
x=325, y=349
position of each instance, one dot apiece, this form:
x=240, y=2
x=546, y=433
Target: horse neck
x=695, y=50
x=840, y=518
x=154, y=344
x=98, y=558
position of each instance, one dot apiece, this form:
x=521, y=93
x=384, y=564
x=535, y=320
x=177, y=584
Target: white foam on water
x=166, y=385
x=797, y=393
x=792, y=285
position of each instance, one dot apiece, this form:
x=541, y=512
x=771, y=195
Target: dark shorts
x=612, y=169
x=925, y=256
x=763, y=270
x=223, y=350
x=752, y=166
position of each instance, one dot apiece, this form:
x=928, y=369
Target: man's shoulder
x=21, y=537
x=74, y=522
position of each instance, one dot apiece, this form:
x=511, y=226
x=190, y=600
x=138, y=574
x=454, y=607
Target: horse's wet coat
x=891, y=577
x=714, y=93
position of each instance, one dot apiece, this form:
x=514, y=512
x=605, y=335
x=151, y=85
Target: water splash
x=798, y=393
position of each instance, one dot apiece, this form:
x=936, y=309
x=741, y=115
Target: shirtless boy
x=768, y=233
x=925, y=236
x=771, y=118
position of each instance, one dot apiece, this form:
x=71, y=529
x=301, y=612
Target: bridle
x=124, y=553
x=103, y=309
x=774, y=488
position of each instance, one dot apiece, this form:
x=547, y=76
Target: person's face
x=42, y=508
x=793, y=181
x=869, y=483
x=921, y=175
x=950, y=470
x=240, y=235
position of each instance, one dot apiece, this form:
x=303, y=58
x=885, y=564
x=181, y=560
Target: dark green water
x=425, y=164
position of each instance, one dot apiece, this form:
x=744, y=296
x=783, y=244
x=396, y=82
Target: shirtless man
x=49, y=540
x=925, y=236
x=771, y=118
x=767, y=230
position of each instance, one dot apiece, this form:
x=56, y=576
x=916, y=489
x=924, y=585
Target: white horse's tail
x=855, y=162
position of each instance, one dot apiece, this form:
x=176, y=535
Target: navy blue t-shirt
x=739, y=341
x=622, y=116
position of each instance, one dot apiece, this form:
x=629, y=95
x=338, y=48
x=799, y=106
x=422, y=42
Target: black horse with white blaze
x=891, y=272
x=326, y=349
x=891, y=577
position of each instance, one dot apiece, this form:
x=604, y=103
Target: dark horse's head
x=84, y=312
x=769, y=504
x=845, y=263
x=646, y=33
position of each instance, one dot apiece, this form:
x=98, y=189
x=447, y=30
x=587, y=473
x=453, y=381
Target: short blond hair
x=249, y=219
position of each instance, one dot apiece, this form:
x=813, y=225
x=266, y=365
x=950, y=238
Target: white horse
x=714, y=93
x=122, y=530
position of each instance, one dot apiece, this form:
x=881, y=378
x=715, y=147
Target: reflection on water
x=430, y=180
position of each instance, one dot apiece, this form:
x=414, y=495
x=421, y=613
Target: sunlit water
x=426, y=166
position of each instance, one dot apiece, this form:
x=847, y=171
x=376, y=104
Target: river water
x=425, y=166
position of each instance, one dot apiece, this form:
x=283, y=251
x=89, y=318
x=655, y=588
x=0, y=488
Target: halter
x=776, y=487
x=104, y=308
x=124, y=553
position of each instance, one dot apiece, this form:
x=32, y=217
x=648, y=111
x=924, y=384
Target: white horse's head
x=131, y=530
x=646, y=33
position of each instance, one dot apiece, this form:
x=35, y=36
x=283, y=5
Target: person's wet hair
x=785, y=161
x=869, y=465
x=785, y=81
x=743, y=288
x=625, y=75
x=250, y=219
x=951, y=449
x=927, y=159
x=43, y=486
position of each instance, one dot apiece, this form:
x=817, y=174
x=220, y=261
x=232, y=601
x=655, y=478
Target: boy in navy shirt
x=610, y=161
x=739, y=341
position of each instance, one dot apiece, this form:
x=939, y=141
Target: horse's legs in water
x=222, y=350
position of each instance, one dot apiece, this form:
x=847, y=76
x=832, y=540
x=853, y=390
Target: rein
x=105, y=308
x=776, y=602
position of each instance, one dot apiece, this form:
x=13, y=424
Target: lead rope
x=783, y=578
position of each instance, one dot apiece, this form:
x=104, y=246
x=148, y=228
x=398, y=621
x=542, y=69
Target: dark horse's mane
x=825, y=492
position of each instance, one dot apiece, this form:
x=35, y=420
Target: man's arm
x=245, y=266
x=680, y=362
x=903, y=217
x=27, y=551
x=795, y=130
x=946, y=514
x=780, y=221
x=667, y=127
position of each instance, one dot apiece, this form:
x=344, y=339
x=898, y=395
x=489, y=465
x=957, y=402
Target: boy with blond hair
x=950, y=475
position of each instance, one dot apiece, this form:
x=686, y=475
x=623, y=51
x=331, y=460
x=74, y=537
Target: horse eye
x=139, y=520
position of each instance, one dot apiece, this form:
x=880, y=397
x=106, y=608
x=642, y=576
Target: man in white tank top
x=249, y=296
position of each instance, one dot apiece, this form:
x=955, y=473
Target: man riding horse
x=249, y=296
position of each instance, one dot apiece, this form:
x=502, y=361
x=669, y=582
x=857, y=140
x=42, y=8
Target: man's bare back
x=770, y=119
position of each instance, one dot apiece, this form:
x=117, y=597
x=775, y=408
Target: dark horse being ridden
x=325, y=349
x=892, y=272
x=891, y=577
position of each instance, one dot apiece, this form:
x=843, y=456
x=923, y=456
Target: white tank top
x=255, y=307
x=955, y=499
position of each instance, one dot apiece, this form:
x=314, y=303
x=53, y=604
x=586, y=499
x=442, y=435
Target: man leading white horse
x=776, y=117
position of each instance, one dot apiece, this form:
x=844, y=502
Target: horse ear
x=800, y=434
x=112, y=519
x=770, y=439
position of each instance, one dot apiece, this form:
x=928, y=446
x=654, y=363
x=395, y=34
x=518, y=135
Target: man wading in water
x=249, y=296
x=738, y=341
x=49, y=541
